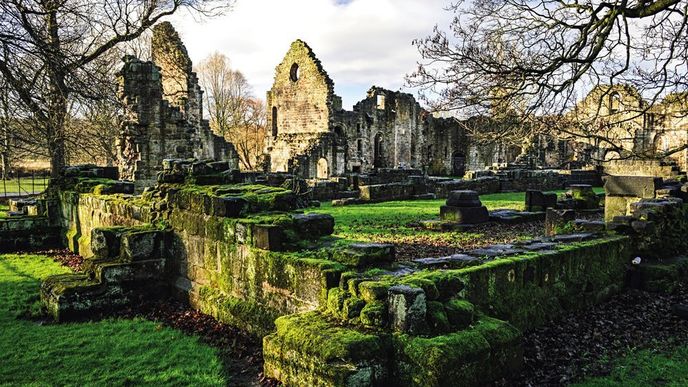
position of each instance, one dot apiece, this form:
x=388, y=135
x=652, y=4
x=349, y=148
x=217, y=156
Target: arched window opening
x=294, y=72
x=377, y=152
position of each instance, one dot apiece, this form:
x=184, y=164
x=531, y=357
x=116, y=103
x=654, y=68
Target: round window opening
x=294, y=72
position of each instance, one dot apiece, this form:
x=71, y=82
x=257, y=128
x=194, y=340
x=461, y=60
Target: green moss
x=460, y=313
x=252, y=317
x=437, y=317
x=374, y=314
x=486, y=351
x=352, y=308
x=315, y=335
x=372, y=291
x=335, y=302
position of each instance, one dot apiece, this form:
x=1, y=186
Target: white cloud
x=360, y=42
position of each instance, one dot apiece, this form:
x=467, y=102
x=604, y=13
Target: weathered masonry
x=311, y=135
x=333, y=312
x=164, y=112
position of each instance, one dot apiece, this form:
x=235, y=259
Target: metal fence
x=21, y=185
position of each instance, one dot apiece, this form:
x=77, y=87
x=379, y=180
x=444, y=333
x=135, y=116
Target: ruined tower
x=164, y=112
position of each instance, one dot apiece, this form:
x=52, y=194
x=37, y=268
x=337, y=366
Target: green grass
x=646, y=368
x=3, y=210
x=109, y=352
x=389, y=221
x=24, y=185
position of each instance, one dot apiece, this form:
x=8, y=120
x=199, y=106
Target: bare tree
x=50, y=49
x=233, y=110
x=535, y=59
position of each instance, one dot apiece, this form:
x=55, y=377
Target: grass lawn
x=646, y=368
x=3, y=210
x=109, y=352
x=392, y=222
x=24, y=185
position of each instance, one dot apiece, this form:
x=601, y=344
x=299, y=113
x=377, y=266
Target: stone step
x=106, y=284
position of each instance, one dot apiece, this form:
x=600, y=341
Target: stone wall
x=441, y=327
x=226, y=266
x=640, y=168
x=27, y=233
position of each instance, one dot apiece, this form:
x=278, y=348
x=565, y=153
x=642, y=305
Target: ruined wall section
x=390, y=129
x=181, y=89
x=668, y=125
x=152, y=130
x=164, y=112
x=300, y=106
x=311, y=135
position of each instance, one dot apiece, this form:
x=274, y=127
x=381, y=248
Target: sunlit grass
x=110, y=352
x=25, y=185
x=646, y=368
x=393, y=221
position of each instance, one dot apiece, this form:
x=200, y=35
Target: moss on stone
x=246, y=315
x=437, y=317
x=486, y=351
x=460, y=313
x=372, y=291
x=374, y=314
x=315, y=335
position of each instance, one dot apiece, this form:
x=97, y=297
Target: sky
x=361, y=43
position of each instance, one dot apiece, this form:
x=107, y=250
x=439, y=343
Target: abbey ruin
x=516, y=238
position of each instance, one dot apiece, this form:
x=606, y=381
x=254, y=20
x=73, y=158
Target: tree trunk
x=57, y=98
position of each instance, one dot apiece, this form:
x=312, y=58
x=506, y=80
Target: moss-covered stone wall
x=457, y=327
x=232, y=251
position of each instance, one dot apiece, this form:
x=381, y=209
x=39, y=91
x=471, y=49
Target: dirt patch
x=585, y=344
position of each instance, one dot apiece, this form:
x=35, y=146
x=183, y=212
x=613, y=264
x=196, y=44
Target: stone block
x=268, y=237
x=308, y=350
x=141, y=245
x=636, y=186
x=463, y=198
x=105, y=242
x=584, y=198
x=618, y=206
x=314, y=226
x=365, y=254
x=469, y=215
x=540, y=201
x=407, y=309
x=556, y=219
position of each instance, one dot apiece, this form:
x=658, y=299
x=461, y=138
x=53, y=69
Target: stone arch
x=323, y=169
x=662, y=143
